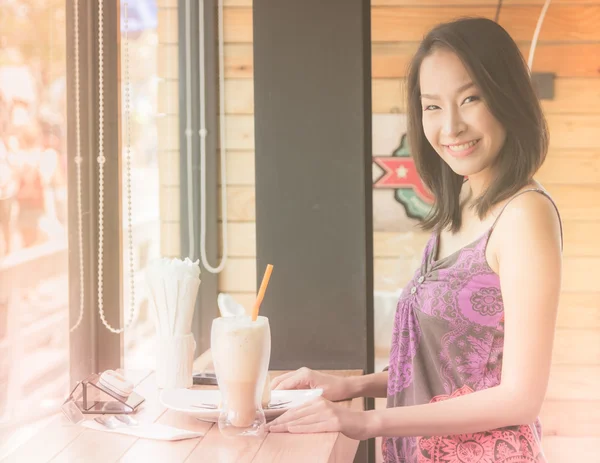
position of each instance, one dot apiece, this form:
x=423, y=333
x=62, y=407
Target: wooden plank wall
x=569, y=46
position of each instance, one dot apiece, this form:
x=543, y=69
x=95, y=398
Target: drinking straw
x=261, y=292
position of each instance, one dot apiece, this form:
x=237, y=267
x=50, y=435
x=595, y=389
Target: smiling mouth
x=462, y=146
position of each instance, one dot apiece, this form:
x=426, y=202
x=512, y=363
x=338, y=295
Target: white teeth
x=462, y=147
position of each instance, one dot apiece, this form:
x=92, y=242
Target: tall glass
x=241, y=350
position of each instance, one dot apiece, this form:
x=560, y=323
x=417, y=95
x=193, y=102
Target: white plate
x=183, y=400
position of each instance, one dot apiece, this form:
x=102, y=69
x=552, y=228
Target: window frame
x=92, y=348
x=206, y=304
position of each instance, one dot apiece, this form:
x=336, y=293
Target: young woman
x=473, y=331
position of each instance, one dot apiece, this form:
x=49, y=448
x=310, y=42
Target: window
x=140, y=81
x=44, y=278
x=34, y=285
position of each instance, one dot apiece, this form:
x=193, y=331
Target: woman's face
x=456, y=121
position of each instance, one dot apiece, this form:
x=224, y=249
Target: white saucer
x=183, y=400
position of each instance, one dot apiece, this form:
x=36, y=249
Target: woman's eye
x=430, y=107
x=470, y=99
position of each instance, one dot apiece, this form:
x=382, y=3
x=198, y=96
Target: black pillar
x=312, y=93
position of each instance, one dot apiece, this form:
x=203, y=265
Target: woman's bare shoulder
x=530, y=215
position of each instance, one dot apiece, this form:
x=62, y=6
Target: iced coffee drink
x=241, y=350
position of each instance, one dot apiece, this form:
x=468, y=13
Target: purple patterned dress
x=448, y=341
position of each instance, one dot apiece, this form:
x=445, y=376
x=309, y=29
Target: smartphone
x=205, y=379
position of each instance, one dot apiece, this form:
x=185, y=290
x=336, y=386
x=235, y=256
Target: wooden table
x=62, y=441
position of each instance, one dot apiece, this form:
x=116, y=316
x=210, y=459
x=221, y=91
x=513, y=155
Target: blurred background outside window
x=34, y=314
x=34, y=283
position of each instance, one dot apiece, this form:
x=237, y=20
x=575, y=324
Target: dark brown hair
x=498, y=69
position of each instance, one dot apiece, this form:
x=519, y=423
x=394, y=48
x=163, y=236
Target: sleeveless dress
x=447, y=341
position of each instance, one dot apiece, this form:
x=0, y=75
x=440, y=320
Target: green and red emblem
x=400, y=174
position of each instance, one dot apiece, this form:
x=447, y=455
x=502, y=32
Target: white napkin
x=155, y=431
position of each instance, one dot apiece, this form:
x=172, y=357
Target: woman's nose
x=453, y=124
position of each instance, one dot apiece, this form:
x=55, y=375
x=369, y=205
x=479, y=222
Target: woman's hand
x=335, y=388
x=321, y=415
